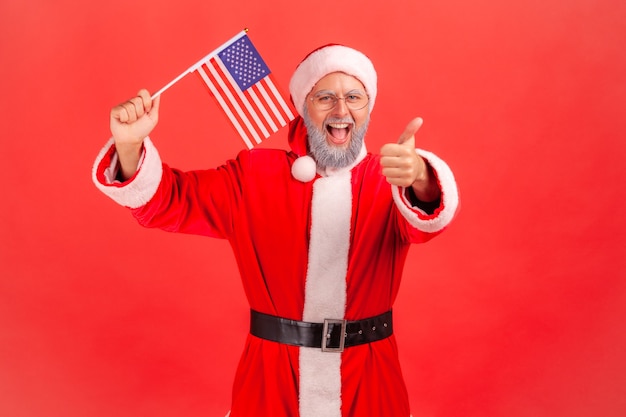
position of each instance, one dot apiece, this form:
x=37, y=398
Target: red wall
x=517, y=310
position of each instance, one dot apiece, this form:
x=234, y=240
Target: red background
x=517, y=310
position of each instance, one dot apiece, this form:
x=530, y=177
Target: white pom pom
x=304, y=169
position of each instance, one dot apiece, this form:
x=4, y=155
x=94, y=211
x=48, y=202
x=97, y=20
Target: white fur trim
x=449, y=198
x=334, y=58
x=141, y=189
x=325, y=291
x=329, y=171
x=304, y=169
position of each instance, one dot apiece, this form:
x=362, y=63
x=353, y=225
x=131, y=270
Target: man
x=320, y=235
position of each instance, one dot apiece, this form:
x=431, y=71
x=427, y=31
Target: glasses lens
x=324, y=101
x=356, y=101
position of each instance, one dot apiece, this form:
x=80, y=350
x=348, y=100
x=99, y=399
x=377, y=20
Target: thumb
x=153, y=114
x=407, y=138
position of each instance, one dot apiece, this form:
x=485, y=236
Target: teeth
x=338, y=125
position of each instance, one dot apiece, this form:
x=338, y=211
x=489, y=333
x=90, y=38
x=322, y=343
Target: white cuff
x=138, y=190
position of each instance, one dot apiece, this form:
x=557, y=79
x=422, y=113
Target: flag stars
x=244, y=63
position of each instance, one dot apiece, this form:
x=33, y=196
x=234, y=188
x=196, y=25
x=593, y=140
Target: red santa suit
x=333, y=247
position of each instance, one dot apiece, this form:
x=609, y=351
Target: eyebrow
x=321, y=92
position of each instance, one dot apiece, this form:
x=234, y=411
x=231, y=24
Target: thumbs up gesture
x=401, y=165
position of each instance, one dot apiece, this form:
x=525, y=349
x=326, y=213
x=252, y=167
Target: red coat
x=330, y=248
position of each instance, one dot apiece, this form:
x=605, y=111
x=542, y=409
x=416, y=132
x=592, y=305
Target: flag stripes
x=256, y=111
x=225, y=107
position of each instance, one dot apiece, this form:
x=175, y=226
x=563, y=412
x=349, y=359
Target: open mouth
x=339, y=133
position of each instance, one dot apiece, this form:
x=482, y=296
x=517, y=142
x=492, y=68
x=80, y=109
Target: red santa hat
x=316, y=65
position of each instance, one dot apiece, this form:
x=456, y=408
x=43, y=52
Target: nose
x=341, y=108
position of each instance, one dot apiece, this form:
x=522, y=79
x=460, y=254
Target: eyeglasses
x=355, y=100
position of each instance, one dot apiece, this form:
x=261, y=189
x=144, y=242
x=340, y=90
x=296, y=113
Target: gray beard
x=327, y=156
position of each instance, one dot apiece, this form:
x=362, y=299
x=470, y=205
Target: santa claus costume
x=321, y=249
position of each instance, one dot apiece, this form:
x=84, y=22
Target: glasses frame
x=336, y=99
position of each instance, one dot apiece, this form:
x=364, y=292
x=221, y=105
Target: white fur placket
x=325, y=291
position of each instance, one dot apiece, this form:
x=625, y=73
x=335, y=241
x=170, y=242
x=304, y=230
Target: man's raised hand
x=131, y=122
x=134, y=119
x=401, y=165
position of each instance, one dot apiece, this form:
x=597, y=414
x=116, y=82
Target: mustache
x=346, y=119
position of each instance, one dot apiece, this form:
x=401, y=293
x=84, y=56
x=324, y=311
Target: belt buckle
x=326, y=335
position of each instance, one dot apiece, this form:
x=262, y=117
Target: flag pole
x=200, y=62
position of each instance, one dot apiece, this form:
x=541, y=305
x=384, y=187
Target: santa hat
x=316, y=65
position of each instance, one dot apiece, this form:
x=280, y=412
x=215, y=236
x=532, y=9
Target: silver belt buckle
x=326, y=335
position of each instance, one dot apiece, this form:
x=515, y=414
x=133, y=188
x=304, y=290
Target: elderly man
x=320, y=235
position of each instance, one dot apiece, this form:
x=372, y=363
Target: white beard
x=328, y=156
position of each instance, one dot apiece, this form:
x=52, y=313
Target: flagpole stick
x=171, y=83
x=199, y=63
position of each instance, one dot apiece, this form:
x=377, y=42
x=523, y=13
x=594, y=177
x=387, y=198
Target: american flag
x=241, y=82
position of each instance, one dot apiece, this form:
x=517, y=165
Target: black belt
x=337, y=333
